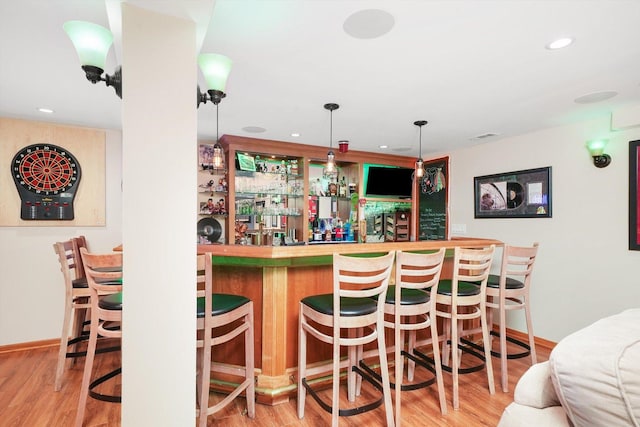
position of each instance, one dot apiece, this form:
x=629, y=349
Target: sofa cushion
x=535, y=388
x=595, y=372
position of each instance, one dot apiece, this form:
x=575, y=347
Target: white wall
x=584, y=270
x=31, y=284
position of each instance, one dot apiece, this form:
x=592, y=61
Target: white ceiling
x=468, y=67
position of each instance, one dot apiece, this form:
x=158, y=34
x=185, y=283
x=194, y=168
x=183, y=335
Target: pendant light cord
x=331, y=130
x=217, y=123
x=420, y=142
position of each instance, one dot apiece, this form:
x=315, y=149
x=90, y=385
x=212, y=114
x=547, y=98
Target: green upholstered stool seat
x=222, y=303
x=111, y=302
x=348, y=306
x=464, y=288
x=494, y=282
x=407, y=296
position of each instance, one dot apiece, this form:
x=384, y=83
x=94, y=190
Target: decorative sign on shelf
x=433, y=199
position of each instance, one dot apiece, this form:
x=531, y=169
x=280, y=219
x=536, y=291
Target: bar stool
x=510, y=291
x=355, y=307
x=412, y=303
x=76, y=305
x=464, y=298
x=215, y=311
x=104, y=278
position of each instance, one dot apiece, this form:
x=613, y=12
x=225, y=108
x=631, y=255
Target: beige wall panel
x=87, y=146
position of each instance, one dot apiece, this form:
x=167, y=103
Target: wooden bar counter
x=276, y=278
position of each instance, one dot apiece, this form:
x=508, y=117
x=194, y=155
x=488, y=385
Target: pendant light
x=420, y=162
x=331, y=165
x=215, y=68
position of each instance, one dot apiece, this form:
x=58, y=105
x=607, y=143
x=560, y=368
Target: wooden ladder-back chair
x=104, y=277
x=510, y=291
x=76, y=305
x=216, y=311
x=356, y=307
x=463, y=298
x=412, y=304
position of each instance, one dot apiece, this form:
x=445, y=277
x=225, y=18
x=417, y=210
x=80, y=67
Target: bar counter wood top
x=276, y=278
x=320, y=249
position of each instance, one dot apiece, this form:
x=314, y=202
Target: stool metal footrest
x=427, y=364
x=72, y=354
x=102, y=379
x=352, y=411
x=467, y=347
x=517, y=342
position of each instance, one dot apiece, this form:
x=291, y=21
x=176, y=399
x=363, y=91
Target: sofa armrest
x=535, y=388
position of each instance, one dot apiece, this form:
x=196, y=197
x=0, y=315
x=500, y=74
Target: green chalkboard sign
x=433, y=200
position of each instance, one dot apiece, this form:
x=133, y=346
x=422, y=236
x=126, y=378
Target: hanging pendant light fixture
x=215, y=69
x=331, y=165
x=420, y=163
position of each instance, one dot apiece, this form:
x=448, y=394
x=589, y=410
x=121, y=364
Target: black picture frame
x=517, y=194
x=634, y=196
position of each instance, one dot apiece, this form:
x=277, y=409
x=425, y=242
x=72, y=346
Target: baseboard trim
x=522, y=336
x=540, y=342
x=23, y=346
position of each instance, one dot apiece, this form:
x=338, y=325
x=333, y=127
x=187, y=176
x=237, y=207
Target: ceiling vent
x=484, y=136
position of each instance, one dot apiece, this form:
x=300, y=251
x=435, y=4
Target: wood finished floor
x=27, y=398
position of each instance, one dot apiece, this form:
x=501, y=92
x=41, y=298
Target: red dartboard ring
x=45, y=169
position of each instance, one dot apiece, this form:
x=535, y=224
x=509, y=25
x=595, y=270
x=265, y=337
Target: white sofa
x=592, y=378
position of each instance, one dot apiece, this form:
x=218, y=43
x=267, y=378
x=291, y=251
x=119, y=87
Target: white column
x=159, y=126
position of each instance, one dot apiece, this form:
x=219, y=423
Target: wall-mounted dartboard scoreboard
x=47, y=178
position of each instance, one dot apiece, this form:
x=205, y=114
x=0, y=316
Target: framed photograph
x=634, y=196
x=519, y=194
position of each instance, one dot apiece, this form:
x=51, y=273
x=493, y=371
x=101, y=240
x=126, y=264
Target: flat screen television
x=392, y=182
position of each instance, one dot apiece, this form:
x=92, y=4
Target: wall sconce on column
x=596, y=149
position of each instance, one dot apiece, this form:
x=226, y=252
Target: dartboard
x=45, y=169
x=46, y=177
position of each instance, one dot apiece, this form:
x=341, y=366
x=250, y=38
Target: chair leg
x=438, y=366
x=445, y=343
x=64, y=339
x=80, y=316
x=504, y=372
x=455, y=355
x=532, y=343
x=399, y=365
x=302, y=364
x=384, y=371
x=204, y=384
x=352, y=381
x=335, y=397
x=88, y=367
x=411, y=365
x=486, y=340
x=249, y=365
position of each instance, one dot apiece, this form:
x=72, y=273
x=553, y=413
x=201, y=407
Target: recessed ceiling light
x=295, y=134
x=383, y=146
x=368, y=24
x=559, y=43
x=595, y=97
x=45, y=110
x=254, y=129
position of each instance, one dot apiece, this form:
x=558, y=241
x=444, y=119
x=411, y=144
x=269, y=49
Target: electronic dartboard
x=47, y=178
